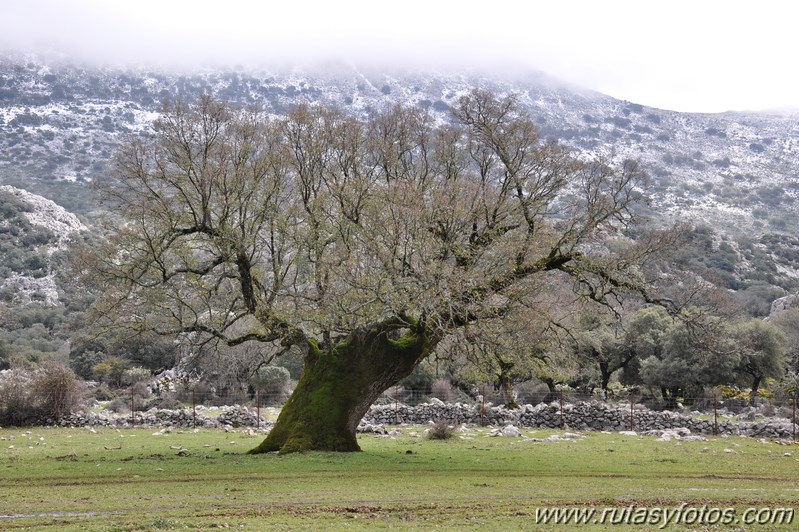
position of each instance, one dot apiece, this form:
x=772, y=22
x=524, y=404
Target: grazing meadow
x=137, y=479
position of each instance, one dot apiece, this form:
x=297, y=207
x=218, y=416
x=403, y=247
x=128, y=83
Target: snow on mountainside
x=32, y=229
x=46, y=213
x=738, y=169
x=736, y=172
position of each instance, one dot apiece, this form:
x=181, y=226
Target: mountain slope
x=32, y=230
x=735, y=172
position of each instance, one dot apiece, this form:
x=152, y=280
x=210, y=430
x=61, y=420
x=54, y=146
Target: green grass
x=73, y=479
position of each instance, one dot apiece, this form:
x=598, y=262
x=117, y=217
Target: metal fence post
x=632, y=412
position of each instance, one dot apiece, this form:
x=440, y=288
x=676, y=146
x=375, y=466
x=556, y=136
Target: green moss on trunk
x=336, y=389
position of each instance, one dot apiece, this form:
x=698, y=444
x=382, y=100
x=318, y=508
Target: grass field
x=73, y=479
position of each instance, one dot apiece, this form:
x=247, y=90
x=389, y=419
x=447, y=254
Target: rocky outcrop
x=61, y=227
x=782, y=304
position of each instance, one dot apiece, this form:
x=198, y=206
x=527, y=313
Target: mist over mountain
x=735, y=173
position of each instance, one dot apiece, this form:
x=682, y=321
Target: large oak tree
x=364, y=243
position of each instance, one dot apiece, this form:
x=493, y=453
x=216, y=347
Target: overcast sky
x=685, y=55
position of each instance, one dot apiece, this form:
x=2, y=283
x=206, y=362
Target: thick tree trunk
x=604, y=374
x=670, y=397
x=755, y=386
x=337, y=388
x=505, y=386
x=506, y=389
x=552, y=395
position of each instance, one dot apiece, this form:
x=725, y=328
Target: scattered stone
x=694, y=438
x=511, y=431
x=368, y=428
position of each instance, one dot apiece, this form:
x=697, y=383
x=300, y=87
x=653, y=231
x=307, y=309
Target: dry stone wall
x=228, y=416
x=594, y=415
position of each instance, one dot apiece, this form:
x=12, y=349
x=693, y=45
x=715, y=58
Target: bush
x=37, y=396
x=272, y=383
x=440, y=430
x=530, y=392
x=104, y=393
x=57, y=391
x=138, y=396
x=120, y=405
x=135, y=375
x=15, y=405
x=110, y=370
x=168, y=401
x=443, y=389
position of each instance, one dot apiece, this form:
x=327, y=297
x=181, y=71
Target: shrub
x=168, y=401
x=530, y=392
x=200, y=392
x=36, y=396
x=57, y=391
x=141, y=395
x=135, y=375
x=440, y=430
x=120, y=405
x=272, y=382
x=104, y=393
x=110, y=370
x=443, y=389
x=15, y=406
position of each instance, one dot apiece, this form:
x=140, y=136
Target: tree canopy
x=363, y=242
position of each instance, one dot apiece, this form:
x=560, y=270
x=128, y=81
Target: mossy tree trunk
x=338, y=385
x=552, y=394
x=505, y=385
x=670, y=396
x=756, y=379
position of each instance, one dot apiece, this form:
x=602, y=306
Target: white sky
x=686, y=55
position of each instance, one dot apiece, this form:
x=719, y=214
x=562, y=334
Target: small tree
x=788, y=322
x=272, y=382
x=682, y=356
x=762, y=353
x=110, y=370
x=600, y=345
